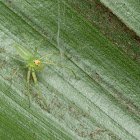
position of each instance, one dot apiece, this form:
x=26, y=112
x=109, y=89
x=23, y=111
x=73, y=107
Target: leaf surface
x=100, y=103
x=127, y=10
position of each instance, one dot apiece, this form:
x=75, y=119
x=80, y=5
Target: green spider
x=33, y=63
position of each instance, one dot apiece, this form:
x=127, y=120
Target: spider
x=33, y=63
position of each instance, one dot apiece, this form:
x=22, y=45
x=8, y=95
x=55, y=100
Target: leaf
x=116, y=31
x=101, y=103
x=127, y=10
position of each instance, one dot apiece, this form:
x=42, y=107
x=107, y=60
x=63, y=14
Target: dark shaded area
x=110, y=25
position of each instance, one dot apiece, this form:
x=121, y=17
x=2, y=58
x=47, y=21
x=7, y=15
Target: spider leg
x=35, y=53
x=28, y=80
x=48, y=54
x=59, y=65
x=37, y=86
x=47, y=61
x=22, y=67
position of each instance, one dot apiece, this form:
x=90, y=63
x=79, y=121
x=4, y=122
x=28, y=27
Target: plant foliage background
x=102, y=102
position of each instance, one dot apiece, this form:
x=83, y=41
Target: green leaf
x=127, y=10
x=101, y=103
